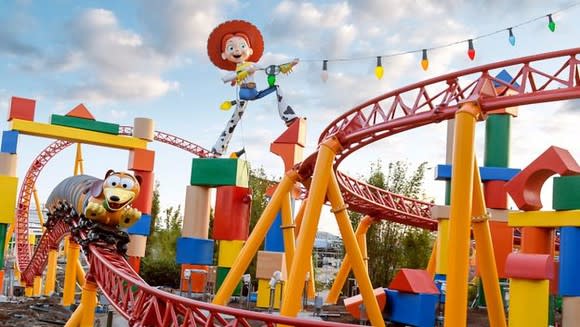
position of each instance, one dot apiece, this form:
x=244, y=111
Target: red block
x=21, y=108
x=232, y=213
x=145, y=198
x=80, y=111
x=352, y=304
x=525, y=187
x=294, y=134
x=414, y=281
x=530, y=266
x=555, y=281
x=141, y=159
x=495, y=194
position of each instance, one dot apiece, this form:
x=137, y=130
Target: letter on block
x=141, y=159
x=195, y=251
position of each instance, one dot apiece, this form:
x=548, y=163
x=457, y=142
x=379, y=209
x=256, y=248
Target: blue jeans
x=253, y=94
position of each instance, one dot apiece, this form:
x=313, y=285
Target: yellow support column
x=288, y=230
x=442, y=261
x=80, y=273
x=340, y=279
x=485, y=254
x=37, y=286
x=88, y=303
x=51, y=272
x=75, y=318
x=305, y=242
x=432, y=260
x=79, y=169
x=255, y=239
x=9, y=236
x=460, y=220
x=68, y=296
x=352, y=248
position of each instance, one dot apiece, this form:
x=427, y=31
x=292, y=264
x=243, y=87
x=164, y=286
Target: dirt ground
x=22, y=312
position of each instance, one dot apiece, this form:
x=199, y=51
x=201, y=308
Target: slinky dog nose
x=114, y=198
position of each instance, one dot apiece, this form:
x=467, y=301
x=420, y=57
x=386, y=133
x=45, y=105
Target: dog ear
x=139, y=179
x=109, y=173
x=97, y=189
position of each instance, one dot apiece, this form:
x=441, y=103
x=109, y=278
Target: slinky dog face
x=119, y=189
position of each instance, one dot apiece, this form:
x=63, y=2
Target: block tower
x=231, y=224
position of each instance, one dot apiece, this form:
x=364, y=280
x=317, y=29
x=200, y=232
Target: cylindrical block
x=232, y=213
x=8, y=164
x=196, y=212
x=442, y=246
x=497, y=140
x=529, y=303
x=495, y=194
x=145, y=199
x=569, y=261
x=136, y=246
x=195, y=251
x=570, y=311
x=144, y=128
x=537, y=240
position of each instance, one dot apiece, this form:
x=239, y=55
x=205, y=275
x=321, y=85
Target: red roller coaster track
x=416, y=105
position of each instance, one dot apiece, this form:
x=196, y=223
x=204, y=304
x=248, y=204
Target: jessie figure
x=237, y=45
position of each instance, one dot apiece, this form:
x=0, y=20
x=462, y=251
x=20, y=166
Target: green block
x=221, y=274
x=497, y=140
x=87, y=124
x=3, y=229
x=566, y=193
x=219, y=172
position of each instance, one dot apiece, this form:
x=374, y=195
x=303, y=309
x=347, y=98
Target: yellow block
x=228, y=252
x=528, y=303
x=442, y=247
x=77, y=135
x=8, y=190
x=263, y=300
x=544, y=218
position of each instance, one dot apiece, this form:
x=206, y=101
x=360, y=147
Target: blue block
x=443, y=173
x=274, y=240
x=569, y=261
x=194, y=251
x=142, y=226
x=505, y=77
x=441, y=283
x=9, y=142
x=412, y=309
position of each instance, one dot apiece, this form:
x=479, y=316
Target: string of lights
x=379, y=70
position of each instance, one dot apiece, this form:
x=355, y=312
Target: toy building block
x=495, y=194
x=196, y=212
x=570, y=311
x=291, y=154
x=411, y=309
x=198, y=277
x=219, y=171
x=9, y=142
x=353, y=303
x=80, y=111
x=569, y=261
x=497, y=141
x=8, y=164
x=555, y=281
x=440, y=212
x=269, y=262
x=499, y=215
x=528, y=302
x=274, y=238
x=221, y=274
x=294, y=134
x=414, y=281
x=144, y=128
x=232, y=213
x=502, y=237
x=77, y=135
x=544, y=218
x=442, y=261
x=565, y=193
x=141, y=159
x=228, y=252
x=141, y=226
x=195, y=251
x=8, y=193
x=264, y=291
x=443, y=172
x=21, y=108
x=136, y=246
x=145, y=199
x=86, y=124
x=526, y=186
x=530, y=266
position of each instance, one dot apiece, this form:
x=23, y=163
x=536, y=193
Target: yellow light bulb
x=379, y=71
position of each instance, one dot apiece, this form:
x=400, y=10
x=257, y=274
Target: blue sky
x=126, y=59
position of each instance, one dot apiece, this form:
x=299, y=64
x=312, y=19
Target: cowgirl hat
x=217, y=41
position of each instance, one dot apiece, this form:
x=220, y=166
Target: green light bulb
x=551, y=23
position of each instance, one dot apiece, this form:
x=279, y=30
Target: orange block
x=530, y=266
x=525, y=187
x=537, y=240
x=502, y=237
x=414, y=281
x=495, y=194
x=81, y=111
x=141, y=159
x=291, y=154
x=198, y=278
x=352, y=304
x=144, y=200
x=21, y=108
x=294, y=134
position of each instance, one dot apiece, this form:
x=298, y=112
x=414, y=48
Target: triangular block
x=80, y=111
x=294, y=134
x=414, y=281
